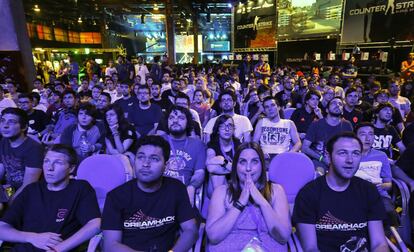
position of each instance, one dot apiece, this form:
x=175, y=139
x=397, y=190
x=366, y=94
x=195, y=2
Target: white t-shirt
x=142, y=71
x=275, y=136
x=7, y=103
x=403, y=104
x=242, y=125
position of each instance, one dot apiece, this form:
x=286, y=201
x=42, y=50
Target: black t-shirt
x=341, y=218
x=406, y=161
x=354, y=117
x=319, y=133
x=147, y=220
x=408, y=135
x=215, y=145
x=283, y=99
x=38, y=210
x=124, y=134
x=15, y=160
x=167, y=99
x=303, y=119
x=127, y=105
x=385, y=139
x=37, y=121
x=144, y=119
x=396, y=116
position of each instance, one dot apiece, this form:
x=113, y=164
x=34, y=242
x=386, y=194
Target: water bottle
x=84, y=144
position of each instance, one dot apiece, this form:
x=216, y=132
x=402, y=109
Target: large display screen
x=308, y=18
x=216, y=46
x=185, y=44
x=368, y=21
x=255, y=24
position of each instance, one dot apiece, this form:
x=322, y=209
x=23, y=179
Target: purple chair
x=104, y=172
x=292, y=170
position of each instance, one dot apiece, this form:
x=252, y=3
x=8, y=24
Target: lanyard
x=227, y=157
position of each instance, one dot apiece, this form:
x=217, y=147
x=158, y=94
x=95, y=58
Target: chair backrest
x=292, y=170
x=105, y=172
x=288, y=112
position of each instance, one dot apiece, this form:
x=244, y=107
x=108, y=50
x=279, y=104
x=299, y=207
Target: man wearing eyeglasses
x=37, y=118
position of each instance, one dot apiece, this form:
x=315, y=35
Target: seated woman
x=220, y=152
x=120, y=135
x=249, y=212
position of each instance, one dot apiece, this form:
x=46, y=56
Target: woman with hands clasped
x=249, y=212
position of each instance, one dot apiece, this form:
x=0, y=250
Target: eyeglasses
x=226, y=127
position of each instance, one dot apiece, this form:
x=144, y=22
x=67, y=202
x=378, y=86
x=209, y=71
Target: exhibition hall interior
x=206, y=125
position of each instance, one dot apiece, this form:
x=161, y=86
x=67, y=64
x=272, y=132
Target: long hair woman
x=249, y=212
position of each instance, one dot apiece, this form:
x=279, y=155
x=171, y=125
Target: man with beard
x=335, y=82
x=321, y=131
x=155, y=93
x=303, y=117
x=351, y=113
x=227, y=101
x=287, y=98
x=146, y=213
x=386, y=136
x=145, y=116
x=188, y=154
x=16, y=166
x=340, y=212
x=402, y=103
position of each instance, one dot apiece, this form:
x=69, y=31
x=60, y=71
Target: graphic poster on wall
x=308, y=18
x=368, y=21
x=255, y=24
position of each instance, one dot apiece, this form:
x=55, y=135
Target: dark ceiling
x=99, y=12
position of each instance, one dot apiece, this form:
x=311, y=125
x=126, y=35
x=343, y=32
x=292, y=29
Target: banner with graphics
x=255, y=24
x=308, y=18
x=368, y=21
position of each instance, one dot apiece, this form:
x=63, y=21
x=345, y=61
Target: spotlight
x=80, y=20
x=156, y=7
x=36, y=8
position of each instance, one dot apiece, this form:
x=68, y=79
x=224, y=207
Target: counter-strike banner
x=308, y=18
x=378, y=21
x=255, y=24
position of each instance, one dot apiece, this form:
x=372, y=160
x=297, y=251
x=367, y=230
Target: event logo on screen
x=368, y=21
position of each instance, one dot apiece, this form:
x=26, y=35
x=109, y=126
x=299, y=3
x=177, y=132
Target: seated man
x=340, y=212
x=57, y=214
x=375, y=168
x=146, y=213
x=17, y=168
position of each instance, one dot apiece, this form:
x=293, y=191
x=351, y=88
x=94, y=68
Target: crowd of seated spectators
x=211, y=127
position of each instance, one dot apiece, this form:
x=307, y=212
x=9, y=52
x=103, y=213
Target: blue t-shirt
x=186, y=156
